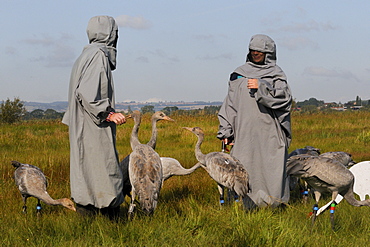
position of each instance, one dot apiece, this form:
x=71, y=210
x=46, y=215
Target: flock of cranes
x=325, y=173
x=144, y=172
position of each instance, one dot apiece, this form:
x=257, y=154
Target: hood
x=263, y=43
x=103, y=30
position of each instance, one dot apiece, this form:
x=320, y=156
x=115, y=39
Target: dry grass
x=188, y=213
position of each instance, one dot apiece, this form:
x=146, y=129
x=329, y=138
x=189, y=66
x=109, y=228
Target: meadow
x=188, y=213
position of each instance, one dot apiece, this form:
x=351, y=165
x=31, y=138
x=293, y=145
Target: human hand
x=227, y=141
x=117, y=118
x=252, y=83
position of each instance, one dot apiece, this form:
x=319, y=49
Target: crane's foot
x=38, y=209
x=304, y=196
x=222, y=200
x=332, y=210
x=24, y=209
x=232, y=196
x=131, y=211
x=236, y=198
x=314, y=212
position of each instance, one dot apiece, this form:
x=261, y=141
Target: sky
x=185, y=50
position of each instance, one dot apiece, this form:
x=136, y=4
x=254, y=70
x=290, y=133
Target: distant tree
x=12, y=111
x=311, y=101
x=358, y=101
x=170, y=109
x=211, y=110
x=52, y=114
x=294, y=104
x=129, y=110
x=147, y=109
x=37, y=114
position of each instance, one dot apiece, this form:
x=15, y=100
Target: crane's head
x=159, y=115
x=196, y=130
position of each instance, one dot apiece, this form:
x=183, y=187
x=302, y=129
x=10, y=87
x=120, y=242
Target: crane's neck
x=153, y=140
x=350, y=198
x=45, y=197
x=134, y=140
x=198, y=153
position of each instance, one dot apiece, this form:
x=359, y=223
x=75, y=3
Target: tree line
x=12, y=111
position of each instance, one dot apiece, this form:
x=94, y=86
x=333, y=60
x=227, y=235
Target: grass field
x=188, y=213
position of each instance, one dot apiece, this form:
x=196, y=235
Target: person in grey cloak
x=95, y=176
x=255, y=117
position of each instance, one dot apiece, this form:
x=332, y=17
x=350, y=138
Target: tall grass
x=188, y=213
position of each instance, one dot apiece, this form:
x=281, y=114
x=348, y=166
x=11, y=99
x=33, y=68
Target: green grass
x=188, y=213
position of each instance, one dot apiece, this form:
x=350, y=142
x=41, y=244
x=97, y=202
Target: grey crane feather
x=145, y=171
x=225, y=169
x=32, y=182
x=325, y=175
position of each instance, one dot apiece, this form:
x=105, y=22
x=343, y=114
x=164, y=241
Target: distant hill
x=61, y=106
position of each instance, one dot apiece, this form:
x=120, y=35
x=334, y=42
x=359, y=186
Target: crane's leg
x=314, y=212
x=332, y=210
x=38, y=207
x=132, y=205
x=231, y=195
x=24, y=208
x=304, y=191
x=221, y=191
x=315, y=207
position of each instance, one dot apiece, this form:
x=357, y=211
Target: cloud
x=160, y=53
x=142, y=59
x=308, y=27
x=10, y=50
x=216, y=57
x=208, y=38
x=133, y=22
x=59, y=53
x=304, y=27
x=323, y=72
x=60, y=56
x=298, y=43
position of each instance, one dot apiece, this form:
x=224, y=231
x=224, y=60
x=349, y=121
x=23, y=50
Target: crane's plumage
x=145, y=171
x=325, y=175
x=306, y=150
x=293, y=181
x=172, y=167
x=343, y=157
x=225, y=169
x=157, y=116
x=32, y=182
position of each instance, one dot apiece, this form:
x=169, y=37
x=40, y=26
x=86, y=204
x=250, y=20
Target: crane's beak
x=167, y=118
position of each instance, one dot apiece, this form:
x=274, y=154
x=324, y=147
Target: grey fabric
x=96, y=178
x=260, y=125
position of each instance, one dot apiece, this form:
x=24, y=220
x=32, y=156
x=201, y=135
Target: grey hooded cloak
x=96, y=178
x=259, y=124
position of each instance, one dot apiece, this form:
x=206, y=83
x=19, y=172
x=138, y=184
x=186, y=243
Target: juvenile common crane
x=157, y=116
x=145, y=172
x=226, y=170
x=32, y=182
x=325, y=175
